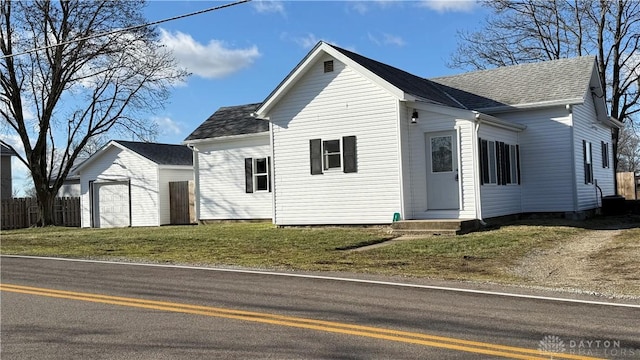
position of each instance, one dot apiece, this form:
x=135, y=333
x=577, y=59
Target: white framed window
x=261, y=174
x=493, y=179
x=499, y=163
x=256, y=174
x=331, y=155
x=587, y=161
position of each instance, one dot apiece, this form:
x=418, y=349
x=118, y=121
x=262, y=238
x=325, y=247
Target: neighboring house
x=6, y=182
x=232, y=165
x=356, y=141
x=127, y=183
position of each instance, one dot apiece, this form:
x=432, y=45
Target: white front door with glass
x=442, y=171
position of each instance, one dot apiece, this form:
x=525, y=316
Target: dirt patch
x=593, y=262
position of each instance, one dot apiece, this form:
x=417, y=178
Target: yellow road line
x=320, y=325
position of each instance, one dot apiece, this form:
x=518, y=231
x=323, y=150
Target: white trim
x=273, y=175
x=223, y=139
x=492, y=120
x=459, y=170
x=400, y=156
x=335, y=278
x=529, y=106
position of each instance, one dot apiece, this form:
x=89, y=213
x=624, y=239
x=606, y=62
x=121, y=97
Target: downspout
x=476, y=169
x=196, y=180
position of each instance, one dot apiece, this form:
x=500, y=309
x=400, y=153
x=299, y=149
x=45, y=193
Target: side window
x=588, y=163
x=605, y=154
x=257, y=177
x=331, y=154
x=334, y=154
x=499, y=163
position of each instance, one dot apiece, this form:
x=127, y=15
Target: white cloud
x=214, y=60
x=443, y=6
x=168, y=126
x=387, y=39
x=308, y=41
x=264, y=6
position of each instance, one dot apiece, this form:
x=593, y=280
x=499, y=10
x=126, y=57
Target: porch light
x=414, y=117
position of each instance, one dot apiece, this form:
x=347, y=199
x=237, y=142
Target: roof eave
x=225, y=138
x=492, y=120
x=529, y=106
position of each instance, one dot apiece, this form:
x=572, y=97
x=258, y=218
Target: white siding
x=432, y=121
x=168, y=175
x=222, y=180
x=546, y=160
x=499, y=200
x=586, y=127
x=115, y=164
x=329, y=106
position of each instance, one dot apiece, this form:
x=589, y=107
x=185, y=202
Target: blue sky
x=238, y=55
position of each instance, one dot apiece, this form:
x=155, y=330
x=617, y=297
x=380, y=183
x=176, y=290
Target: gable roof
x=409, y=83
x=161, y=154
x=565, y=80
x=230, y=121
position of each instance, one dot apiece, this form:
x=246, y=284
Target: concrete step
x=438, y=227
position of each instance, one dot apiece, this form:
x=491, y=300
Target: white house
x=127, y=183
x=356, y=141
x=232, y=162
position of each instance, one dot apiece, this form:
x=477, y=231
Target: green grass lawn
x=478, y=256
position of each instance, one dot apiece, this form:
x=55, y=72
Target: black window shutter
x=315, y=151
x=269, y=171
x=518, y=162
x=349, y=154
x=248, y=174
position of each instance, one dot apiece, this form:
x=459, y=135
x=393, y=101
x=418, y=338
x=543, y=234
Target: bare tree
x=78, y=86
x=628, y=149
x=531, y=30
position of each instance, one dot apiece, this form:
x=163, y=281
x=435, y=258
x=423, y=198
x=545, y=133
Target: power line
x=128, y=28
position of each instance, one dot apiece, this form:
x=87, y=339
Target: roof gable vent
x=328, y=66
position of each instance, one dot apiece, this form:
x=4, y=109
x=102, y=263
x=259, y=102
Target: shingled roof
x=409, y=83
x=7, y=151
x=534, y=83
x=229, y=121
x=547, y=81
x=161, y=154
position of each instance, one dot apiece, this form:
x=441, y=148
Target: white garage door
x=111, y=204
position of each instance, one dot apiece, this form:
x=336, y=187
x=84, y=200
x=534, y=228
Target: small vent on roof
x=328, y=66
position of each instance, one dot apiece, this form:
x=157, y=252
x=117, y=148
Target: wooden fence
x=627, y=185
x=18, y=213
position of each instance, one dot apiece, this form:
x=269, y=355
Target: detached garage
x=127, y=183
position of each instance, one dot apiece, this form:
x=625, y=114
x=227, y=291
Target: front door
x=442, y=171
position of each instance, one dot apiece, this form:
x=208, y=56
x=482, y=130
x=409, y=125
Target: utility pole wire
x=128, y=28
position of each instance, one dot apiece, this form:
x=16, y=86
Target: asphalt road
x=54, y=309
